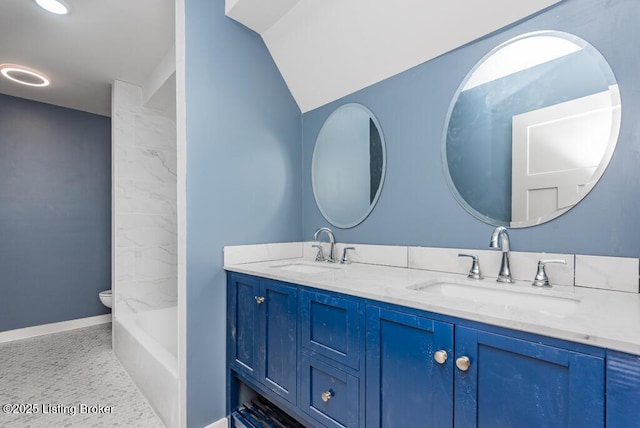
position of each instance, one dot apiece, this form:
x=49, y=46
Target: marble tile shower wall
x=145, y=246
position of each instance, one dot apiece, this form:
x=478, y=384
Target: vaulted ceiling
x=331, y=48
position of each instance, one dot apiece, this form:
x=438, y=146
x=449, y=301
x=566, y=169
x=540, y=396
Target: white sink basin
x=306, y=267
x=504, y=296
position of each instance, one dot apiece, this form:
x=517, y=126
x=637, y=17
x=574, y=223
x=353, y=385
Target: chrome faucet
x=541, y=279
x=500, y=241
x=332, y=242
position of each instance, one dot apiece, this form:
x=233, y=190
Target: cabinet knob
x=463, y=363
x=326, y=396
x=259, y=300
x=440, y=356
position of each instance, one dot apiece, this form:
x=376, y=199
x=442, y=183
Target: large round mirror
x=531, y=129
x=348, y=165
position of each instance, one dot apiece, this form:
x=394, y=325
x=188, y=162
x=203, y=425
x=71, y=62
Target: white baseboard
x=56, y=327
x=222, y=423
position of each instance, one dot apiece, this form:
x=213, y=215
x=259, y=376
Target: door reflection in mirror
x=531, y=129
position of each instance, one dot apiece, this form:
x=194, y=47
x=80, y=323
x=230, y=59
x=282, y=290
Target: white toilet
x=106, y=297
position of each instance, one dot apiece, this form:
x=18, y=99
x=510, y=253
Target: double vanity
x=374, y=336
x=355, y=345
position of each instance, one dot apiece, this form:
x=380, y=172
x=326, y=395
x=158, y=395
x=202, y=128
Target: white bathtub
x=146, y=345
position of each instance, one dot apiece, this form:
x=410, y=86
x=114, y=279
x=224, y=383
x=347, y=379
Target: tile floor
x=65, y=380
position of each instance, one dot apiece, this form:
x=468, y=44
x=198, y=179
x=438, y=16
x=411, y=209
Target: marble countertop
x=603, y=318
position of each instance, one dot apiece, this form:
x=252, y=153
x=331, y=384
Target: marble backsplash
x=610, y=273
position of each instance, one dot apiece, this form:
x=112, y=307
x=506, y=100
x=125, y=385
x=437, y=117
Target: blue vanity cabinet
x=405, y=385
x=513, y=382
x=331, y=342
x=263, y=332
x=623, y=390
x=339, y=361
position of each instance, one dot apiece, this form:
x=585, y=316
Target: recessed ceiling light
x=59, y=7
x=24, y=75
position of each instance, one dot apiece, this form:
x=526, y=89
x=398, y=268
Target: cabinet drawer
x=331, y=326
x=329, y=394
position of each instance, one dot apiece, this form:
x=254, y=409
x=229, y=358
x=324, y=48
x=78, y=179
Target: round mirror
x=348, y=165
x=531, y=129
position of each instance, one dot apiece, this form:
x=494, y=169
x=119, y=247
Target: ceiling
x=82, y=53
x=328, y=49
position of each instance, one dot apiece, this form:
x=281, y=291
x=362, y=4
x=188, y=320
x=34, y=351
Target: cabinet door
x=278, y=338
x=243, y=321
x=405, y=386
x=623, y=390
x=517, y=383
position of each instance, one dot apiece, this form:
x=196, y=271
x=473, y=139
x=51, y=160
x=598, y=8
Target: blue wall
x=55, y=213
x=416, y=206
x=243, y=179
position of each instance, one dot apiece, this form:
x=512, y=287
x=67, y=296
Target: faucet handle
x=320, y=256
x=474, y=272
x=541, y=279
x=345, y=256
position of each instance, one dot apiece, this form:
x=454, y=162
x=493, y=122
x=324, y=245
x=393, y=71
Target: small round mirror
x=348, y=166
x=531, y=129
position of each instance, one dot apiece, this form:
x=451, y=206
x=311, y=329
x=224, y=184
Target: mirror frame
x=382, y=176
x=602, y=166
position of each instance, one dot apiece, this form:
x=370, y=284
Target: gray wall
x=243, y=180
x=55, y=213
x=416, y=206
